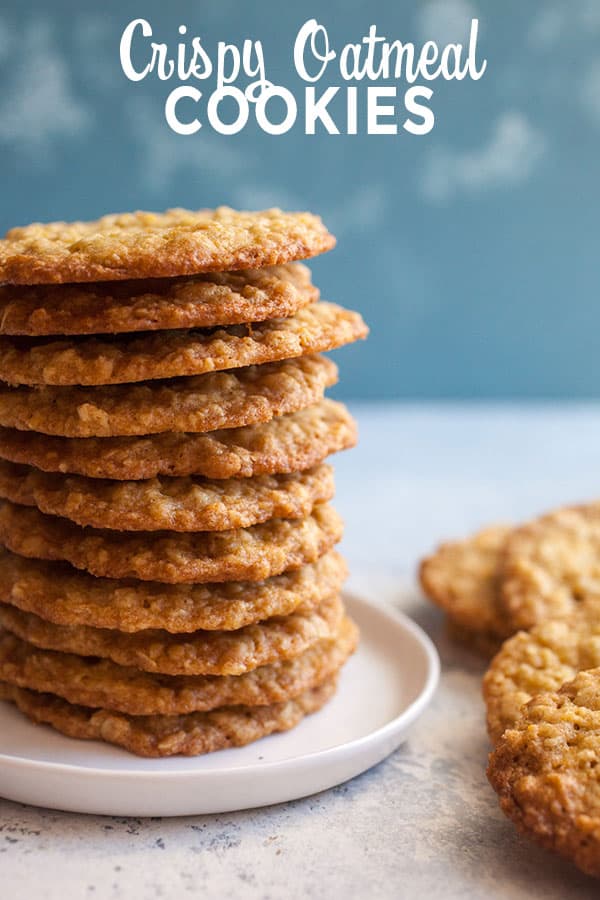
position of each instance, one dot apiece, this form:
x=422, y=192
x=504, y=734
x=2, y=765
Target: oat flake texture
x=152, y=245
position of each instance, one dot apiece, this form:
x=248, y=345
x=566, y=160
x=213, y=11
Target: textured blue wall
x=472, y=251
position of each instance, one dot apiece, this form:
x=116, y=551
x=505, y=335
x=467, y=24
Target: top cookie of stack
x=163, y=429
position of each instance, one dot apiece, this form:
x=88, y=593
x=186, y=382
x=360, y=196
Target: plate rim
x=398, y=723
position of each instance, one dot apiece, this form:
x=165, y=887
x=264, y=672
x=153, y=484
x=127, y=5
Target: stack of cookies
x=168, y=577
x=531, y=596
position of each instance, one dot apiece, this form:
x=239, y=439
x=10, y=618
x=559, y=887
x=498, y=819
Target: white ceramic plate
x=383, y=689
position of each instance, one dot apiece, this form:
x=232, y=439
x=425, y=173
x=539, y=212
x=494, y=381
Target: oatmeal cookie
x=198, y=403
x=158, y=736
x=101, y=683
x=160, y=304
x=250, y=554
x=545, y=771
x=462, y=578
x=198, y=653
x=158, y=245
x=173, y=504
x=550, y=565
x=58, y=593
x=172, y=354
x=289, y=443
x=540, y=660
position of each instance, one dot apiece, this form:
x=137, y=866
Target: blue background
x=472, y=251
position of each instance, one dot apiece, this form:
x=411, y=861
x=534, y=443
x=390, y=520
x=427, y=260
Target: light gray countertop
x=424, y=823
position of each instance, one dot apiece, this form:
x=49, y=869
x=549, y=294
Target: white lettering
x=316, y=110
x=171, y=116
x=125, y=49
x=375, y=111
x=309, y=31
x=212, y=110
x=418, y=109
x=291, y=110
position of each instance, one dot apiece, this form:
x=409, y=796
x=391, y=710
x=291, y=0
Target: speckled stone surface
x=424, y=823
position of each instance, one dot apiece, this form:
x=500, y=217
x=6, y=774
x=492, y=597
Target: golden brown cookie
x=550, y=565
x=462, y=578
x=250, y=554
x=545, y=771
x=198, y=403
x=290, y=443
x=174, y=504
x=151, y=245
x=539, y=660
x=198, y=653
x=63, y=595
x=161, y=304
x=172, y=354
x=158, y=736
x=102, y=683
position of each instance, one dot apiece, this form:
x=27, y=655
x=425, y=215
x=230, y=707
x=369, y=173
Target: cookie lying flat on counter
x=551, y=565
x=462, y=577
x=532, y=662
x=504, y=579
x=545, y=771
